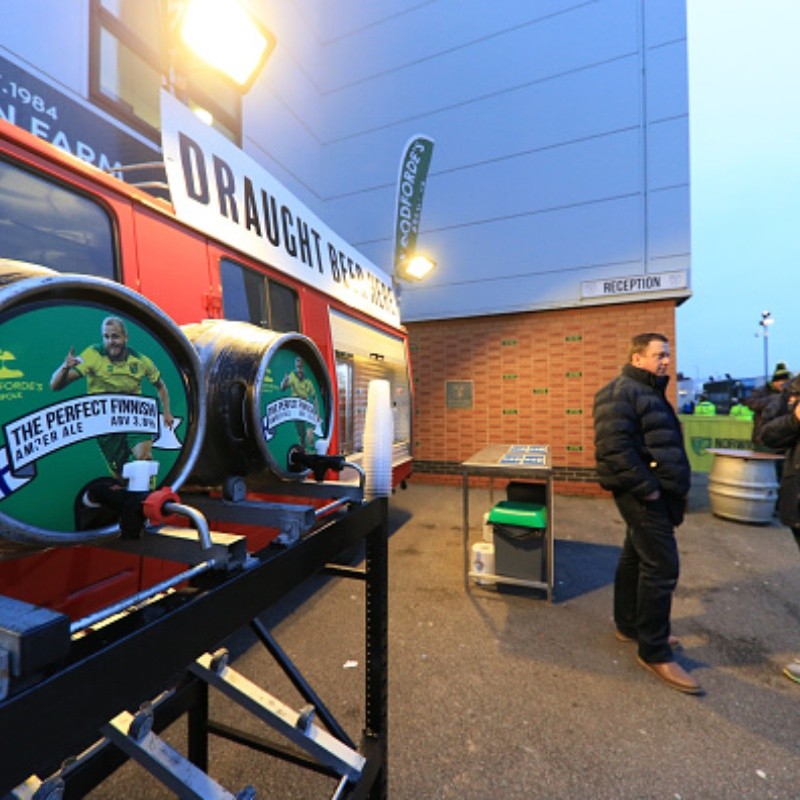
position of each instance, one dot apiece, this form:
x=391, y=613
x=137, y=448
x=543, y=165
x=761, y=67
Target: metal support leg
x=300, y=683
x=377, y=637
x=197, y=733
x=465, y=526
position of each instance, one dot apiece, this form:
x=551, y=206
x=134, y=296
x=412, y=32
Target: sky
x=744, y=112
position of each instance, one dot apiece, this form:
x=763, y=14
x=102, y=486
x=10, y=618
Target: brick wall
x=533, y=379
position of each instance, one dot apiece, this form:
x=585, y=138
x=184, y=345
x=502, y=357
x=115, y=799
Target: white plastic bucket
x=483, y=562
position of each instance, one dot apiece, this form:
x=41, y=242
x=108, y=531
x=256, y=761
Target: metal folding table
x=528, y=462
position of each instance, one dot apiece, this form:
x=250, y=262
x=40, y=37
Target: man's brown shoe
x=672, y=641
x=674, y=675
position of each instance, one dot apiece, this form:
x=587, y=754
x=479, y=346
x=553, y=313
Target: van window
x=282, y=307
x=44, y=223
x=249, y=296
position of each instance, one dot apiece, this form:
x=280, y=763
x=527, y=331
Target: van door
x=173, y=267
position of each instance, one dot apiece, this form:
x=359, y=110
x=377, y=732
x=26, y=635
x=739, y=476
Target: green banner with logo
x=701, y=434
x=411, y=182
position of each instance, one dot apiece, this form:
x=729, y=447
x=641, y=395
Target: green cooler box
x=519, y=537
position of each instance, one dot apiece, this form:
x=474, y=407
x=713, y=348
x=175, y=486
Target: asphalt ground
x=496, y=693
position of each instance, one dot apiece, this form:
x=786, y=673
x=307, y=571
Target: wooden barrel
x=742, y=485
x=76, y=405
x=267, y=394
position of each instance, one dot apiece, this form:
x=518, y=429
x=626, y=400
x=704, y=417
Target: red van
x=61, y=213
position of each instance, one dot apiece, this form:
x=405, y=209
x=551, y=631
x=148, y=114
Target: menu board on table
x=532, y=455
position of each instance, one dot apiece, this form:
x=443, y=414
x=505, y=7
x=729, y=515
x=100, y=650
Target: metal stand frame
x=115, y=668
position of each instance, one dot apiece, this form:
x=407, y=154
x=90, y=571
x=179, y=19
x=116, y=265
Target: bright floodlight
x=418, y=267
x=224, y=36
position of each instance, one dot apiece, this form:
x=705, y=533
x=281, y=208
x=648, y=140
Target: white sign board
x=218, y=189
x=634, y=284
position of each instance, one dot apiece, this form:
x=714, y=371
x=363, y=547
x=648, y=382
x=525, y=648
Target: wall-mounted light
x=416, y=268
x=222, y=34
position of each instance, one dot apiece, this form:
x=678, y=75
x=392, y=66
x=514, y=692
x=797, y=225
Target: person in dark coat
x=641, y=459
x=781, y=432
x=761, y=397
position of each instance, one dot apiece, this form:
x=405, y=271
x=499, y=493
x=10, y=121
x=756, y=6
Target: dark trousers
x=646, y=576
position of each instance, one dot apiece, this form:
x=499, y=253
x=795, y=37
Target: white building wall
x=561, y=131
x=49, y=37
x=283, y=119
x=554, y=162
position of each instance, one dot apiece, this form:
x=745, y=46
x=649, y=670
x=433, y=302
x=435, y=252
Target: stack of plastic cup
x=378, y=439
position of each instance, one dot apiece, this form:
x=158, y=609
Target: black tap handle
x=318, y=464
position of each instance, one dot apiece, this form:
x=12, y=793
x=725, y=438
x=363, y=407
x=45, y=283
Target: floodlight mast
x=765, y=321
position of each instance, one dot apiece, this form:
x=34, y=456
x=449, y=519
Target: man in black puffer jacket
x=642, y=460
